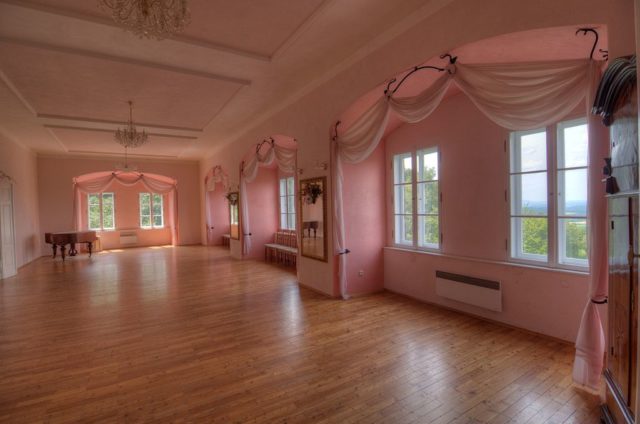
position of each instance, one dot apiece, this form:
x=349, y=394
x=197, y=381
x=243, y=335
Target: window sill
x=488, y=261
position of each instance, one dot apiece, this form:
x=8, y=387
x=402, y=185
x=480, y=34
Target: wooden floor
x=189, y=335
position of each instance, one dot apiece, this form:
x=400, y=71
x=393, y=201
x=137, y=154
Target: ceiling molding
x=62, y=118
x=155, y=134
x=108, y=155
x=26, y=4
x=301, y=29
x=5, y=79
x=124, y=60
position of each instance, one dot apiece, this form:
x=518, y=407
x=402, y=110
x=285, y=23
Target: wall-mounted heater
x=479, y=292
x=128, y=238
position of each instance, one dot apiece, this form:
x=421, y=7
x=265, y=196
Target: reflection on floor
x=313, y=246
x=189, y=334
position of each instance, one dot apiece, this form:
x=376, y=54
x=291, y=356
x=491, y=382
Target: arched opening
x=217, y=213
x=268, y=200
x=471, y=173
x=127, y=209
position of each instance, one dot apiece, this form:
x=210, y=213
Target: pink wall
x=364, y=215
x=310, y=116
x=20, y=164
x=56, y=191
x=127, y=216
x=263, y=210
x=475, y=226
x=219, y=209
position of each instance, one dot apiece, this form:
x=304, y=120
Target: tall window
x=549, y=203
x=151, y=210
x=100, y=211
x=287, y=203
x=416, y=216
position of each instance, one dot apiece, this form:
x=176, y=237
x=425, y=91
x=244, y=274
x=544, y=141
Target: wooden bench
x=284, y=249
x=226, y=239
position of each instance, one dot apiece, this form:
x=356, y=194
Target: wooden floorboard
x=190, y=335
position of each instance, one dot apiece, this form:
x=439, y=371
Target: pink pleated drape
x=517, y=96
x=99, y=181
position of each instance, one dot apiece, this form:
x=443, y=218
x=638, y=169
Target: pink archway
x=97, y=182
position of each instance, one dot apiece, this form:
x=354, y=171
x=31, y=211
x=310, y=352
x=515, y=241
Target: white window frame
x=555, y=237
x=287, y=197
x=415, y=244
x=113, y=213
x=151, y=214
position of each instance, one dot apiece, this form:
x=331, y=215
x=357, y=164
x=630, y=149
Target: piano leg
x=72, y=249
x=90, y=246
x=63, y=250
x=55, y=249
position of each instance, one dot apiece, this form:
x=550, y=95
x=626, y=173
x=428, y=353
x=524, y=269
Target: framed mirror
x=313, y=216
x=234, y=221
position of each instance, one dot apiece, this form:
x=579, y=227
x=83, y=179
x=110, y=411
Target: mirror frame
x=302, y=183
x=238, y=207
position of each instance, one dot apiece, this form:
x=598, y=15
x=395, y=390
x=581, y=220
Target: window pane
x=290, y=184
x=107, y=211
x=283, y=220
x=94, y=216
x=94, y=199
x=403, y=199
x=157, y=204
x=530, y=238
x=145, y=221
x=573, y=241
x=283, y=204
x=283, y=186
x=529, y=194
x=529, y=152
x=428, y=230
x=157, y=221
x=572, y=192
x=404, y=229
x=402, y=168
x=427, y=165
x=144, y=204
x=428, y=198
x=573, y=146
x=291, y=207
x=292, y=221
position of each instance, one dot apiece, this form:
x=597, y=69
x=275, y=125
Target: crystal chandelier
x=129, y=137
x=149, y=18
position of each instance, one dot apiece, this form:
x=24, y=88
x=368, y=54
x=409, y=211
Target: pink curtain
x=214, y=176
x=590, y=343
x=98, y=182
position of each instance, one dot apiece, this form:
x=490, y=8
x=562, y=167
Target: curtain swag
x=516, y=96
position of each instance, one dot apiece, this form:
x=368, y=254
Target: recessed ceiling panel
x=257, y=26
x=90, y=141
x=67, y=84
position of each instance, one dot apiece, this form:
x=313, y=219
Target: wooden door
x=7, y=236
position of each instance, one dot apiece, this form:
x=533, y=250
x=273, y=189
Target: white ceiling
x=67, y=72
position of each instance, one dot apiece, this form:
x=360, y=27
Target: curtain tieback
x=600, y=302
x=344, y=252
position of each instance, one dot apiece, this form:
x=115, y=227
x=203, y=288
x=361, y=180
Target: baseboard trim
x=492, y=321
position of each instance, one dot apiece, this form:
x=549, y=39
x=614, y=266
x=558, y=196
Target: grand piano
x=71, y=238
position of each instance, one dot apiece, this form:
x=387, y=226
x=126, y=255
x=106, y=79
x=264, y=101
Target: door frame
x=8, y=181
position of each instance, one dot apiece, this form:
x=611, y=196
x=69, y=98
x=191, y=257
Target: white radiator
x=474, y=291
x=128, y=238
